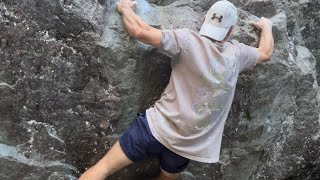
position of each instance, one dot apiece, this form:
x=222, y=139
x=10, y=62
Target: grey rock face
x=72, y=80
x=308, y=20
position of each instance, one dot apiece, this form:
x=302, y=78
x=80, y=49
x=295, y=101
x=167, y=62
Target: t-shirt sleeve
x=173, y=42
x=247, y=57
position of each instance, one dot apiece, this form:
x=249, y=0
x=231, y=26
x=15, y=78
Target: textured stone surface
x=307, y=17
x=72, y=80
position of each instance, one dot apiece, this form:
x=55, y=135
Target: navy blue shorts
x=138, y=144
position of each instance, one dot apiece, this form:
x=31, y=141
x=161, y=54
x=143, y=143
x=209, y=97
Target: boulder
x=306, y=16
x=72, y=80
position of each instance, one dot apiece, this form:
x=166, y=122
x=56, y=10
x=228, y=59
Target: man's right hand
x=123, y=4
x=136, y=27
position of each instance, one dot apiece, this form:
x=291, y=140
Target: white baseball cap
x=220, y=17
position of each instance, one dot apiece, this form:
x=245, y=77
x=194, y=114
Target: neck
x=223, y=41
x=214, y=41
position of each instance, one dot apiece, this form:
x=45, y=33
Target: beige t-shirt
x=189, y=117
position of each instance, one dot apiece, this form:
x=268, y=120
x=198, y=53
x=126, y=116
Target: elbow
x=264, y=55
x=267, y=56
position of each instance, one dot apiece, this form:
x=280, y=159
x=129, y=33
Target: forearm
x=140, y=30
x=266, y=42
x=133, y=23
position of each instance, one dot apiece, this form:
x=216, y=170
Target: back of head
x=220, y=17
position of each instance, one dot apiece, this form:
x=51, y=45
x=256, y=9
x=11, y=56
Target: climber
x=187, y=122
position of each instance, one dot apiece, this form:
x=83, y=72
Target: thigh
x=115, y=159
x=172, y=163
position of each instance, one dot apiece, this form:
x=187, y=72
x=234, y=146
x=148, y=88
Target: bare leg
x=167, y=176
x=113, y=161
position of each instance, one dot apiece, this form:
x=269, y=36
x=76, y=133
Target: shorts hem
x=174, y=172
x=125, y=150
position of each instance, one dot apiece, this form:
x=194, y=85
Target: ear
x=231, y=30
x=229, y=33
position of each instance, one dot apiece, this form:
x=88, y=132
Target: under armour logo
x=216, y=16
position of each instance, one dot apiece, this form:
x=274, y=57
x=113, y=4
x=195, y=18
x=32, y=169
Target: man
x=187, y=121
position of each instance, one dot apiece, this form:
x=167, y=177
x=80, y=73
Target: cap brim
x=213, y=32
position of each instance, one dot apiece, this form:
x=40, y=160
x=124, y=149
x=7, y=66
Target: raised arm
x=135, y=26
x=266, y=44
